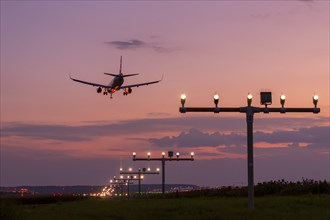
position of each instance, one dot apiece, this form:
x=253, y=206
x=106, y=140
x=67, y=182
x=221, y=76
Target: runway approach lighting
x=140, y=175
x=216, y=100
x=266, y=99
x=315, y=99
x=282, y=98
x=163, y=159
x=249, y=99
x=183, y=99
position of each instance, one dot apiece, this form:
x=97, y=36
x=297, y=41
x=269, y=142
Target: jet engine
x=127, y=91
x=99, y=90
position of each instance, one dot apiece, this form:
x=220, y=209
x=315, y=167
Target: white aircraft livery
x=116, y=83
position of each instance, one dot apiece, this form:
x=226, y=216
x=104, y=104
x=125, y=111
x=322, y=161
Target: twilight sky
x=58, y=132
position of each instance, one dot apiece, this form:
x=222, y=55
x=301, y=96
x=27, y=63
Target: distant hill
x=69, y=190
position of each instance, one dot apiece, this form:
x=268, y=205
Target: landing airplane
x=116, y=83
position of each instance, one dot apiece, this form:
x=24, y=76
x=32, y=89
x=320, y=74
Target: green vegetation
x=270, y=207
x=306, y=199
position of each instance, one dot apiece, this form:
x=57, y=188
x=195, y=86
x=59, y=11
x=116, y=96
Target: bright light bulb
x=183, y=96
x=315, y=100
x=216, y=97
x=249, y=96
x=283, y=97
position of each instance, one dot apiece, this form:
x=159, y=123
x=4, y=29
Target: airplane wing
x=141, y=84
x=89, y=83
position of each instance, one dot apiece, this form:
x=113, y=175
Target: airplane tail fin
x=120, y=70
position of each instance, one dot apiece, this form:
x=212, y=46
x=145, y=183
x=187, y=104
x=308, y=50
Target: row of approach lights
x=249, y=100
x=122, y=177
x=144, y=169
x=170, y=155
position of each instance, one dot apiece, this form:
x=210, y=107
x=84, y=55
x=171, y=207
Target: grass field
x=279, y=207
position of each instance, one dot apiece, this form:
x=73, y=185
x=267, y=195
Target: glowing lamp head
x=216, y=99
x=134, y=154
x=282, y=98
x=192, y=154
x=163, y=154
x=183, y=99
x=249, y=99
x=315, y=99
x=148, y=154
x=157, y=169
x=177, y=154
x=121, y=169
x=130, y=169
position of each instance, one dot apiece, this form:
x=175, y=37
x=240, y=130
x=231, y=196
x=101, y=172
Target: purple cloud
x=316, y=137
x=134, y=44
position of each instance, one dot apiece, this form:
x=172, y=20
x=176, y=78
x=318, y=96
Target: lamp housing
x=249, y=99
x=183, y=99
x=315, y=100
x=216, y=99
x=265, y=98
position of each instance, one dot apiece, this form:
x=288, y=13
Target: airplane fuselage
x=116, y=83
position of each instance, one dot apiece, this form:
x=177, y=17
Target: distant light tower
x=129, y=180
x=163, y=159
x=266, y=99
x=140, y=174
x=117, y=184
